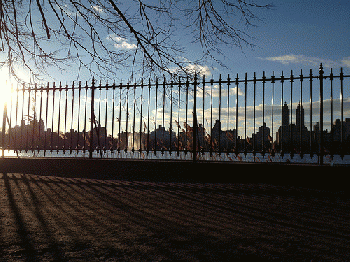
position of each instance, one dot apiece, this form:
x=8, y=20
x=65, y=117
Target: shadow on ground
x=63, y=219
x=331, y=178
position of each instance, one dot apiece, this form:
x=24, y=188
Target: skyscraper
x=300, y=116
x=285, y=115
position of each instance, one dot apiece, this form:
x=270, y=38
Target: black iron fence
x=303, y=115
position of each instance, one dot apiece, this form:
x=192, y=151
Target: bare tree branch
x=98, y=36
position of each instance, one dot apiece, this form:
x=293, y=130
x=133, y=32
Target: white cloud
x=307, y=60
x=224, y=92
x=97, y=9
x=191, y=68
x=125, y=45
x=120, y=42
x=115, y=38
x=346, y=61
x=199, y=69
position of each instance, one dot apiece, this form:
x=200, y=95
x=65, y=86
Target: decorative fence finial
x=321, y=69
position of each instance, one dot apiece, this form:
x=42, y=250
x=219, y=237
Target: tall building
x=261, y=138
x=216, y=129
x=300, y=117
x=293, y=137
x=285, y=115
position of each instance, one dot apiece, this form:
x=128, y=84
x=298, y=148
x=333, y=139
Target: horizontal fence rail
x=233, y=118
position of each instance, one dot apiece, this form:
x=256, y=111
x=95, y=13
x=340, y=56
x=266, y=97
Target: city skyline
x=232, y=114
x=289, y=137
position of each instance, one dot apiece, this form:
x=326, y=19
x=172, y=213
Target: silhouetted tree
x=106, y=36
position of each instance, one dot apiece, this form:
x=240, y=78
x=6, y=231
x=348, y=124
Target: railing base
x=300, y=175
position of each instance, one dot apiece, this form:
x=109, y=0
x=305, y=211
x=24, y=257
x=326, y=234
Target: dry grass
x=45, y=218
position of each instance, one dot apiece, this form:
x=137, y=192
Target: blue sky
x=292, y=35
x=295, y=35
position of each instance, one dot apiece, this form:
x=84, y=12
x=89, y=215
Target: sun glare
x=6, y=89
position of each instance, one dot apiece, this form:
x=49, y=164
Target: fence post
x=91, y=149
x=195, y=119
x=341, y=113
x=321, y=72
x=4, y=129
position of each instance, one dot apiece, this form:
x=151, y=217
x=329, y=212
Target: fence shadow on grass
x=56, y=218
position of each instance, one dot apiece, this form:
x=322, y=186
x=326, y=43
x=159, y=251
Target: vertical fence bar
x=178, y=118
x=332, y=128
x=79, y=107
x=112, y=144
x=34, y=117
x=127, y=119
x=4, y=129
x=186, y=112
x=141, y=107
x=8, y=120
x=211, y=117
x=321, y=114
x=236, y=133
x=40, y=120
x=91, y=149
x=282, y=147
x=46, y=116
x=85, y=116
x=301, y=115
x=134, y=120
x=342, y=148
x=228, y=115
x=10, y=132
x=36, y=126
x=65, y=119
x=219, y=115
x=120, y=118
x=195, y=128
x=203, y=120
x=155, y=119
x=171, y=117
x=254, y=115
x=22, y=115
x=263, y=115
x=97, y=123
x=72, y=120
x=245, y=113
x=53, y=111
x=272, y=108
x=28, y=116
x=16, y=135
x=291, y=115
x=59, y=118
x=106, y=123
x=311, y=134
x=163, y=118
x=148, y=115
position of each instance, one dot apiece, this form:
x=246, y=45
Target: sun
x=6, y=90
x=8, y=93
